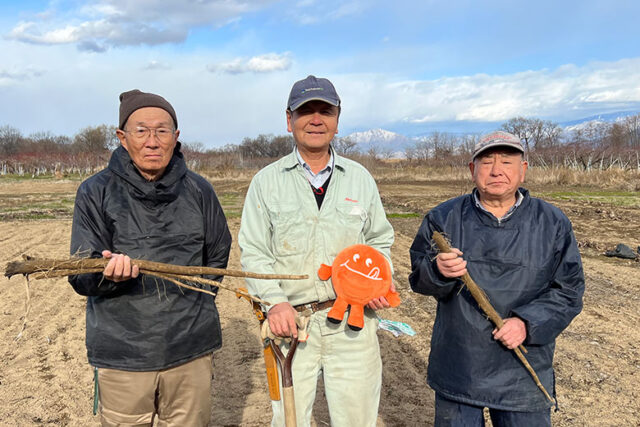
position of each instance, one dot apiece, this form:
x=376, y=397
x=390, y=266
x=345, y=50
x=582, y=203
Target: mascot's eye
x=356, y=257
x=368, y=262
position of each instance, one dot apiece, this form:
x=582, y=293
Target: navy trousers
x=455, y=414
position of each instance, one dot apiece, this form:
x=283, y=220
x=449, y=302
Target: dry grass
x=612, y=179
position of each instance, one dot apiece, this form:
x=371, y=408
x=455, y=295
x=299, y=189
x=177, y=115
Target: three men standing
x=299, y=213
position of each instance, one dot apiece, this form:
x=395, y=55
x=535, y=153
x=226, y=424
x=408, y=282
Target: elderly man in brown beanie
x=150, y=343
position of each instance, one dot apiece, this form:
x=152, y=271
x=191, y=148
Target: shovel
x=287, y=381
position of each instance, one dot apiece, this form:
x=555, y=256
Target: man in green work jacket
x=299, y=213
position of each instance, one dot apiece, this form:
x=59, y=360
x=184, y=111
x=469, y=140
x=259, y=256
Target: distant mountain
x=458, y=127
x=608, y=118
x=381, y=140
x=569, y=130
x=379, y=136
x=403, y=135
x=601, y=121
x=393, y=144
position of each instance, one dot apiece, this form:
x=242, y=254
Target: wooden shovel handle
x=285, y=362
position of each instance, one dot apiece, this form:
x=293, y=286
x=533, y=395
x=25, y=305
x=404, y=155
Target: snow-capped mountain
x=585, y=125
x=396, y=143
x=599, y=121
x=381, y=140
x=379, y=136
x=605, y=118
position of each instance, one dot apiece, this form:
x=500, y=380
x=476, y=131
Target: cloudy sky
x=227, y=65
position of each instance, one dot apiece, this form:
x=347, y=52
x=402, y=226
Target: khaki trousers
x=178, y=396
x=352, y=372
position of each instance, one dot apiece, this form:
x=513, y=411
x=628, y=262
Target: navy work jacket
x=529, y=266
x=147, y=324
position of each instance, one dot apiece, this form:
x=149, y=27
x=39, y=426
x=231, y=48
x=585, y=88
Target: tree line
x=594, y=145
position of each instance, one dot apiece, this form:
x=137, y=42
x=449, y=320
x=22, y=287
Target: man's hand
x=380, y=302
x=451, y=263
x=119, y=267
x=512, y=333
x=282, y=320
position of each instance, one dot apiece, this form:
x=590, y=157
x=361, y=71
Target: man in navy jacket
x=522, y=252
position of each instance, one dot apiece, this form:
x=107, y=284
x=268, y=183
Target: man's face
x=151, y=154
x=313, y=124
x=498, y=173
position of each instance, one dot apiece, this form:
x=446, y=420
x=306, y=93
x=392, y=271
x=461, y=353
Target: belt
x=314, y=306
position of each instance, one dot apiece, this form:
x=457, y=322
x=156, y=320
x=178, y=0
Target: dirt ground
x=45, y=378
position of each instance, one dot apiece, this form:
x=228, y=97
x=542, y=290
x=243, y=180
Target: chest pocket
x=291, y=230
x=349, y=224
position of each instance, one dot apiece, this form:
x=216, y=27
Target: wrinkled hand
x=381, y=302
x=119, y=267
x=282, y=320
x=451, y=263
x=512, y=333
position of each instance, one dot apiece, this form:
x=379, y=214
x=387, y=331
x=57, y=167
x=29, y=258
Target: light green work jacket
x=283, y=231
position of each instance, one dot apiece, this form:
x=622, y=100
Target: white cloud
x=567, y=92
x=266, y=63
x=348, y=8
x=117, y=23
x=62, y=90
x=17, y=74
x=97, y=35
x=269, y=62
x=156, y=65
x=310, y=12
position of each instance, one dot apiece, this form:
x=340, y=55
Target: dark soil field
x=45, y=378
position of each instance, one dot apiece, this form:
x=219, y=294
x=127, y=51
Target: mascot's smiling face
x=365, y=272
x=373, y=273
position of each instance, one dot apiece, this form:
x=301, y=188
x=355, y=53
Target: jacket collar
x=488, y=218
x=164, y=189
x=290, y=161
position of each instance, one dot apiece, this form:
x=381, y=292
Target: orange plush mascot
x=359, y=274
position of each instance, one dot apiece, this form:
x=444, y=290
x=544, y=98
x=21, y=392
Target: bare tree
x=468, y=144
x=385, y=152
x=535, y=133
x=266, y=146
x=631, y=131
x=550, y=135
x=373, y=152
x=443, y=144
x=96, y=139
x=592, y=134
x=344, y=146
x=193, y=147
x=423, y=149
x=10, y=139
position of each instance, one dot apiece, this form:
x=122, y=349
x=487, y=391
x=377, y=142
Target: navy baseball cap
x=312, y=89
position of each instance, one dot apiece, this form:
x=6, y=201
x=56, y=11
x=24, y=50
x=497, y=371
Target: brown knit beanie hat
x=134, y=99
